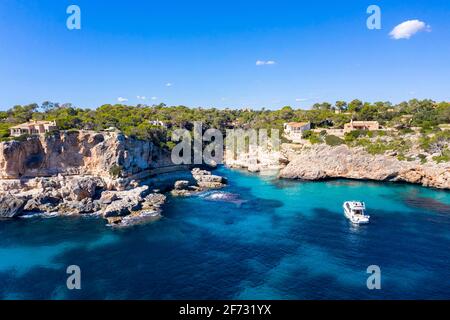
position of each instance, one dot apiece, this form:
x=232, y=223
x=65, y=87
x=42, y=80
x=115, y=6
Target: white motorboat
x=355, y=211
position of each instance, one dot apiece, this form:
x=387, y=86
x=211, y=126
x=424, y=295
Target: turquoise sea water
x=259, y=238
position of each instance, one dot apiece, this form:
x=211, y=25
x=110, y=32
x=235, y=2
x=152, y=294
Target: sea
x=258, y=238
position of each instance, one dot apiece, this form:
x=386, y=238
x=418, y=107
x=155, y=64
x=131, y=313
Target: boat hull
x=356, y=220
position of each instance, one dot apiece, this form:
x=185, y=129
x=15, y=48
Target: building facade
x=33, y=128
x=361, y=125
x=294, y=130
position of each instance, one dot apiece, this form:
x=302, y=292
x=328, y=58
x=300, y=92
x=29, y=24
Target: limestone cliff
x=320, y=162
x=78, y=153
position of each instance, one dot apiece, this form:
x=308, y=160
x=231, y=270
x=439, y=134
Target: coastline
x=116, y=177
x=322, y=162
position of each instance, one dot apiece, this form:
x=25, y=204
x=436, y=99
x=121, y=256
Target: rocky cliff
x=77, y=173
x=78, y=153
x=73, y=173
x=320, y=162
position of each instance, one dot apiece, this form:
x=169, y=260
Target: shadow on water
x=427, y=204
x=139, y=267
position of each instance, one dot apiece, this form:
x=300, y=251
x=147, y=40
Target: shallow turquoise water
x=259, y=238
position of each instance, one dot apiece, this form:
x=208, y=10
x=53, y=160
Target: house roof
x=362, y=123
x=32, y=124
x=297, y=124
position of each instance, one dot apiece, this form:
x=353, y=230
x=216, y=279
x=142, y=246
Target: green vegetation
x=115, y=171
x=444, y=157
x=135, y=121
x=21, y=138
x=333, y=140
x=423, y=158
x=313, y=137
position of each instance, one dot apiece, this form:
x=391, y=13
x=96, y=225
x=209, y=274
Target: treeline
x=135, y=120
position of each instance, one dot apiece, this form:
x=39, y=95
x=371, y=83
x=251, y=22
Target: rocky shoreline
x=80, y=179
x=89, y=195
x=322, y=162
x=87, y=173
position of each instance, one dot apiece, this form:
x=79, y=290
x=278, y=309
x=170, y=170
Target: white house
x=33, y=128
x=294, y=130
x=296, y=127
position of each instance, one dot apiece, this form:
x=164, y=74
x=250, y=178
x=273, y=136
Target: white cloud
x=120, y=99
x=265, y=62
x=168, y=84
x=301, y=99
x=141, y=97
x=407, y=29
x=154, y=98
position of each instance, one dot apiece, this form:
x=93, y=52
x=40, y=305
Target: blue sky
x=207, y=51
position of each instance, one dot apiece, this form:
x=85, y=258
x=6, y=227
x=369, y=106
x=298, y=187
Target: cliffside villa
x=294, y=130
x=361, y=125
x=33, y=128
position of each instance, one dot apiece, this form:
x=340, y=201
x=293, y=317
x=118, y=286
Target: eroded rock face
x=71, y=174
x=206, y=180
x=323, y=162
x=78, y=153
x=82, y=188
x=11, y=206
x=181, y=185
x=139, y=209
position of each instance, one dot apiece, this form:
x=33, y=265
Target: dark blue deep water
x=259, y=238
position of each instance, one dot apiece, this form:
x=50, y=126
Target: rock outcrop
x=11, y=206
x=75, y=173
x=324, y=162
x=106, y=154
x=204, y=180
x=80, y=196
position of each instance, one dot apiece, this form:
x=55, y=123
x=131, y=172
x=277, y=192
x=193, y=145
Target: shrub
x=170, y=145
x=444, y=157
x=377, y=148
x=314, y=139
x=354, y=135
x=406, y=131
x=51, y=134
x=333, y=141
x=115, y=171
x=21, y=138
x=423, y=158
x=307, y=134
